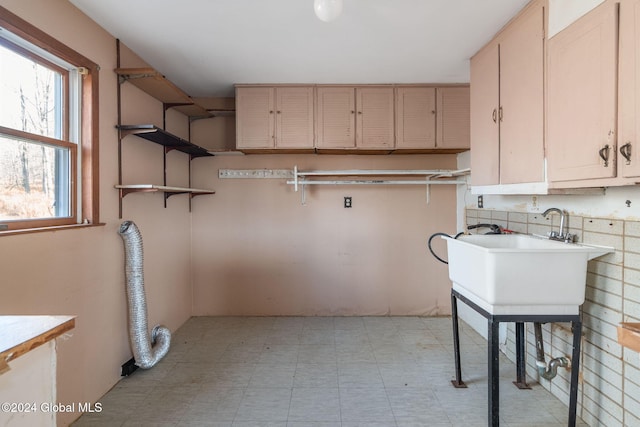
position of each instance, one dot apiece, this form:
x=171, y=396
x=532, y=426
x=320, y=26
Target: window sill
x=49, y=229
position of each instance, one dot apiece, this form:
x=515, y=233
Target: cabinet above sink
x=507, y=104
x=594, y=99
x=589, y=73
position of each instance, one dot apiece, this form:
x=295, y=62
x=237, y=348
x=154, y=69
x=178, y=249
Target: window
x=48, y=130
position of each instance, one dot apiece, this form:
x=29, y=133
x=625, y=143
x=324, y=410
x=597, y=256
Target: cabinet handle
x=500, y=114
x=604, y=154
x=494, y=115
x=278, y=112
x=353, y=112
x=359, y=112
x=271, y=112
x=625, y=150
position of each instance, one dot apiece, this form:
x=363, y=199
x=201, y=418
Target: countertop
x=21, y=334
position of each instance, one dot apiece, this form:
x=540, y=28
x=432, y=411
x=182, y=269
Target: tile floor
x=320, y=372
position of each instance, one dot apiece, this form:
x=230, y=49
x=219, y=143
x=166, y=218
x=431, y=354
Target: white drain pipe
x=146, y=352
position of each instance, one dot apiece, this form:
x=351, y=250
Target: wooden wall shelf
x=159, y=87
x=167, y=190
x=629, y=335
x=155, y=84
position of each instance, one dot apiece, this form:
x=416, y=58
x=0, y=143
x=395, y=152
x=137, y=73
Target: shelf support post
x=120, y=136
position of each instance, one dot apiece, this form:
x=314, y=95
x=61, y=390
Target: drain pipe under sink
x=547, y=372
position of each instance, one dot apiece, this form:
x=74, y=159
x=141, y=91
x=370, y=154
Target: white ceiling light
x=327, y=10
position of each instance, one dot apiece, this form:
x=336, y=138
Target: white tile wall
x=609, y=386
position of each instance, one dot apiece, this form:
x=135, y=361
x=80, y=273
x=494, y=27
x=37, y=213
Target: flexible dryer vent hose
x=146, y=351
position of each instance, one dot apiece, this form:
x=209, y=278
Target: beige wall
x=258, y=251
x=80, y=272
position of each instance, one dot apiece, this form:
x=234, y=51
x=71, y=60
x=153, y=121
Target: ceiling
x=206, y=46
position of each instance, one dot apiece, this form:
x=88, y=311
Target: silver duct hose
x=146, y=352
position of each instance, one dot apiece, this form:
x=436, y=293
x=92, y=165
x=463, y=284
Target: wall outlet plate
x=347, y=202
x=480, y=202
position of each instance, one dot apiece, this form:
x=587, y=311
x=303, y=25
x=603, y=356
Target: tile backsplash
x=609, y=385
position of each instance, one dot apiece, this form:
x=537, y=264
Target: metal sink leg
x=457, y=383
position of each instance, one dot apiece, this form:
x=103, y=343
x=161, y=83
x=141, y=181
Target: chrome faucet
x=562, y=235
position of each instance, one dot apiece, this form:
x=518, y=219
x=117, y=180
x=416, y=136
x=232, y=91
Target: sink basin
x=521, y=274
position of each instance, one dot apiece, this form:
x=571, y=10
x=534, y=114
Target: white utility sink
x=521, y=274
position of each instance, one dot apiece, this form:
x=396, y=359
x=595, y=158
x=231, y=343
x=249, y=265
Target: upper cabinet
x=355, y=117
x=582, y=97
x=362, y=119
x=507, y=104
x=485, y=130
x=416, y=117
x=274, y=117
x=432, y=118
x=336, y=117
x=521, y=112
x=629, y=82
x=453, y=118
x=374, y=118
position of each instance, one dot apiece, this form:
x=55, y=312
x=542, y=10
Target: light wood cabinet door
x=629, y=89
x=294, y=117
x=507, y=104
x=374, y=118
x=452, y=118
x=349, y=117
x=431, y=118
x=274, y=117
x=255, y=124
x=581, y=110
x=521, y=111
x=485, y=133
x=336, y=117
x=416, y=117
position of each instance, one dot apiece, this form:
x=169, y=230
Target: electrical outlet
x=347, y=202
x=480, y=202
x=534, y=203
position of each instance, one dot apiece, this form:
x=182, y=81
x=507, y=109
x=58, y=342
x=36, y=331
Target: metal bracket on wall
x=255, y=173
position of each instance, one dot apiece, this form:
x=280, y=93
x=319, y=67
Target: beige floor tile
x=321, y=372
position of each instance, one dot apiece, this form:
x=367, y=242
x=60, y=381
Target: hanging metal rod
x=372, y=182
x=430, y=177
x=384, y=172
